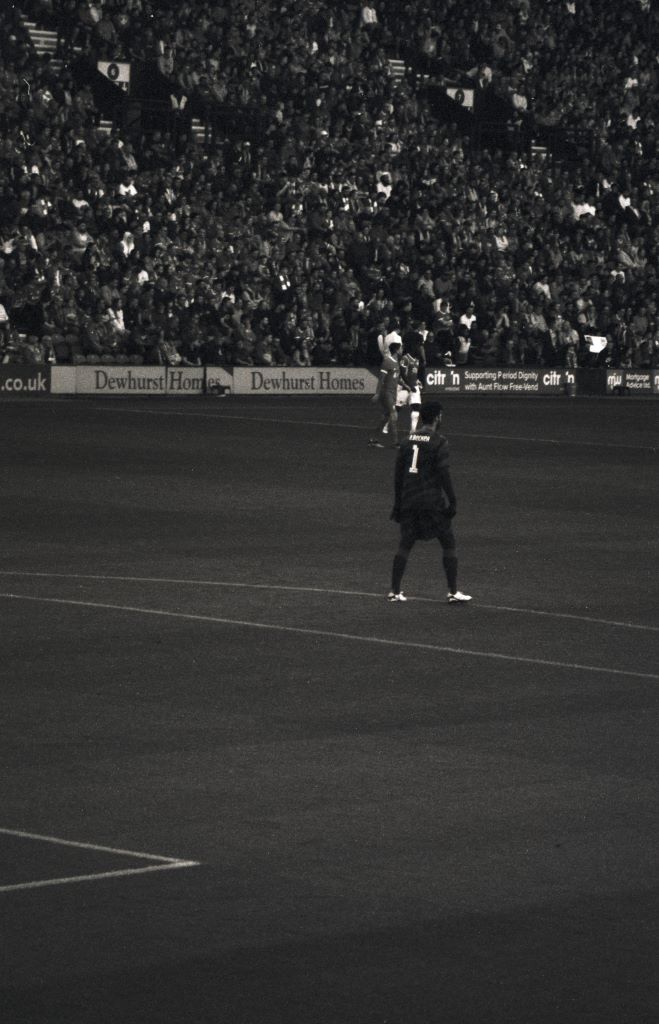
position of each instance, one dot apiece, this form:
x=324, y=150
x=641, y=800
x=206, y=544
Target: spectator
x=368, y=188
x=167, y=353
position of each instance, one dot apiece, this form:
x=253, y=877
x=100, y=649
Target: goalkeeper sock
x=450, y=563
x=398, y=568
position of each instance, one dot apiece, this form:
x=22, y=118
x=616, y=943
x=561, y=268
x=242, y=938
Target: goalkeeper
x=424, y=501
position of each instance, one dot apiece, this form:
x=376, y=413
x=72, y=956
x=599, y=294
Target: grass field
x=237, y=786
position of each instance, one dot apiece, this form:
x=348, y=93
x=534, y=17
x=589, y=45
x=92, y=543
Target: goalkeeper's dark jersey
x=422, y=480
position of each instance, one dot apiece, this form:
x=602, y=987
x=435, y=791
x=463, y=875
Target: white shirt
x=579, y=209
x=387, y=340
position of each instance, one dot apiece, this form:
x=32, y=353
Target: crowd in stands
x=356, y=208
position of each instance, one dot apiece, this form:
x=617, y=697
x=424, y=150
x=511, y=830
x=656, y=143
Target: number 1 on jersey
x=415, y=458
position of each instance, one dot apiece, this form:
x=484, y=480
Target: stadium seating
x=278, y=181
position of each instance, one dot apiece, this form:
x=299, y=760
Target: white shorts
x=405, y=397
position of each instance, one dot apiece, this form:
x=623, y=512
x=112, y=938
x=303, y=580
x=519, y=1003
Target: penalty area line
x=163, y=863
x=99, y=875
x=116, y=851
x=331, y=634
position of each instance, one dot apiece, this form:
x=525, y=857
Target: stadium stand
x=279, y=180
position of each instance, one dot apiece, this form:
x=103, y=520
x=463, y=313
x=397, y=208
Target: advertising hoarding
x=139, y=381
x=314, y=380
x=632, y=382
x=513, y=381
x=129, y=380
x=24, y=380
x=218, y=381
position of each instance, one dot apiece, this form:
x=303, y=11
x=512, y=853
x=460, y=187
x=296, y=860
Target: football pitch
x=240, y=787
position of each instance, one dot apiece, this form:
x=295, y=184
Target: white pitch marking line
x=335, y=635
x=42, y=884
x=87, y=846
x=319, y=590
x=356, y=426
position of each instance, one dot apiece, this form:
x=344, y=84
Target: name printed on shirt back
x=420, y=437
